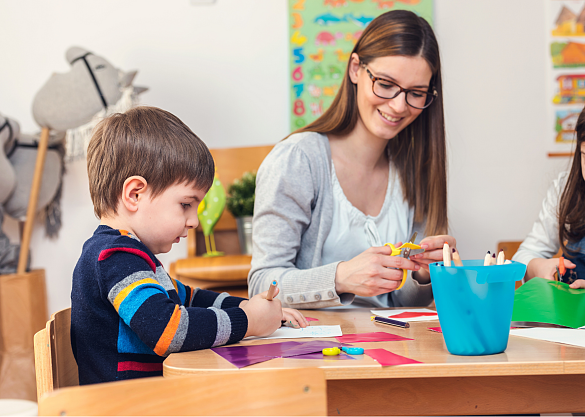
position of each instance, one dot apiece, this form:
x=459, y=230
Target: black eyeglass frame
x=432, y=95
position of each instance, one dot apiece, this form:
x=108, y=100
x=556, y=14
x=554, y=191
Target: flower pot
x=245, y=234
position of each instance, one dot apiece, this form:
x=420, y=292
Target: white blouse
x=353, y=232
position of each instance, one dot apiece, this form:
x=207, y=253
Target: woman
x=370, y=170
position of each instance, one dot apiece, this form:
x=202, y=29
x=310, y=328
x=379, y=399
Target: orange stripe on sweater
x=167, y=337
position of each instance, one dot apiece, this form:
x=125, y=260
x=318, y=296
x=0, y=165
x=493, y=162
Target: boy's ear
x=133, y=192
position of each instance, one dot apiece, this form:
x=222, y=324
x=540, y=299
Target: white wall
x=220, y=67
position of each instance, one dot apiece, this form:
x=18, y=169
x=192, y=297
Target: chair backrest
x=509, y=248
x=55, y=365
x=230, y=164
x=263, y=392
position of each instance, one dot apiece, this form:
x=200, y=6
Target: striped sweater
x=128, y=314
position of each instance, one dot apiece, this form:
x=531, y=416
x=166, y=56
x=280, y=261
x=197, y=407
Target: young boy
x=148, y=172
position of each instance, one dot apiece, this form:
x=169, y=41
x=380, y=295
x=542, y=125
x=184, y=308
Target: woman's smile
x=393, y=120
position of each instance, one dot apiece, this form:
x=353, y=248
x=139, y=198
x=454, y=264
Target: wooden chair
x=263, y=392
x=55, y=365
x=230, y=272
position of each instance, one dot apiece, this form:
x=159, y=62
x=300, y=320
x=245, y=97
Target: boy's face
x=164, y=220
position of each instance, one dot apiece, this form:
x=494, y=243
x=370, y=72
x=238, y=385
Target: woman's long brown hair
x=572, y=202
x=418, y=151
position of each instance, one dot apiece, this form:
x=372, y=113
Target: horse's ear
x=139, y=90
x=127, y=78
x=75, y=52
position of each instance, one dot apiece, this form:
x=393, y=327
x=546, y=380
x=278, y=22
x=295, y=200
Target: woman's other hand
x=545, y=268
x=579, y=283
x=373, y=272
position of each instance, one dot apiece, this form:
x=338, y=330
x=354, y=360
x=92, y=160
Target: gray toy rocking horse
x=67, y=108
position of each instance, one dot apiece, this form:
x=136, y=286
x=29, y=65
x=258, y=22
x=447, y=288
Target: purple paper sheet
x=310, y=347
x=242, y=356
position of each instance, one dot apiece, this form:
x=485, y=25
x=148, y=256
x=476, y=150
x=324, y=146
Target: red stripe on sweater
x=139, y=366
x=106, y=253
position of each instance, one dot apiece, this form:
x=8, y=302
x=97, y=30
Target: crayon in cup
x=446, y=254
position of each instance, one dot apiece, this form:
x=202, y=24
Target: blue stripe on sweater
x=182, y=292
x=135, y=298
x=128, y=341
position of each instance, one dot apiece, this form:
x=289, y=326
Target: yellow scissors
x=406, y=250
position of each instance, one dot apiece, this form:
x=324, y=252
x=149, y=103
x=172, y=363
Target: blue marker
x=353, y=350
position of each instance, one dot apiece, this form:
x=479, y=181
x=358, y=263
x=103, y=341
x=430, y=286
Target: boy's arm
x=136, y=287
x=195, y=297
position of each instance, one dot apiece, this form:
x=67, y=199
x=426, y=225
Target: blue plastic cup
x=474, y=304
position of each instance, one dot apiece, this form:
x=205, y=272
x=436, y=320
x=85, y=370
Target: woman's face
x=385, y=118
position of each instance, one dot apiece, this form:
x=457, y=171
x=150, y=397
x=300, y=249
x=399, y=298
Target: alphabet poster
x=322, y=36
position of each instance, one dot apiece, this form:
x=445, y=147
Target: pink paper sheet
x=407, y=315
x=370, y=337
x=386, y=358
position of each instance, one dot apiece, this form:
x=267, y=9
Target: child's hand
x=545, y=268
x=579, y=283
x=264, y=316
x=293, y=318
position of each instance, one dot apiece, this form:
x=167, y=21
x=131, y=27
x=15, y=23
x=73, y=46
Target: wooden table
x=531, y=376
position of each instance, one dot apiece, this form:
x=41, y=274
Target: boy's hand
x=293, y=318
x=264, y=316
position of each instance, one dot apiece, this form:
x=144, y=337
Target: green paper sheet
x=544, y=301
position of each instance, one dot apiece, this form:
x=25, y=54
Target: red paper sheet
x=370, y=337
x=407, y=315
x=311, y=319
x=386, y=358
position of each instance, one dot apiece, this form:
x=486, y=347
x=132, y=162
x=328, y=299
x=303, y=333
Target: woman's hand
x=293, y=318
x=433, y=246
x=372, y=272
x=545, y=268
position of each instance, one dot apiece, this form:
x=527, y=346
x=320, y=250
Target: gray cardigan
x=292, y=219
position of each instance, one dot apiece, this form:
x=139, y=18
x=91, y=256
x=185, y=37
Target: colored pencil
x=487, y=259
x=446, y=255
x=271, y=290
x=501, y=258
x=390, y=322
x=457, y=258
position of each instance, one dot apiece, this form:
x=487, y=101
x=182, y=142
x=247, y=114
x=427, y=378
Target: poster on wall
x=566, y=52
x=322, y=36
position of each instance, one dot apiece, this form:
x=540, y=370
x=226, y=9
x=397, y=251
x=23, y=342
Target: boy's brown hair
x=149, y=142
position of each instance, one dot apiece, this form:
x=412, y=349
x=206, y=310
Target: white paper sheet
x=388, y=313
x=575, y=337
x=310, y=331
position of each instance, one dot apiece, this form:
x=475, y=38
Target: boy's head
x=147, y=142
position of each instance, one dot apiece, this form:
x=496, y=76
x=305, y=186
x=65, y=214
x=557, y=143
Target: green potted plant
x=240, y=203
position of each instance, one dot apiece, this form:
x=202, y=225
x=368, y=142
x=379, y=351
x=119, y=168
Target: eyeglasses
x=387, y=89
